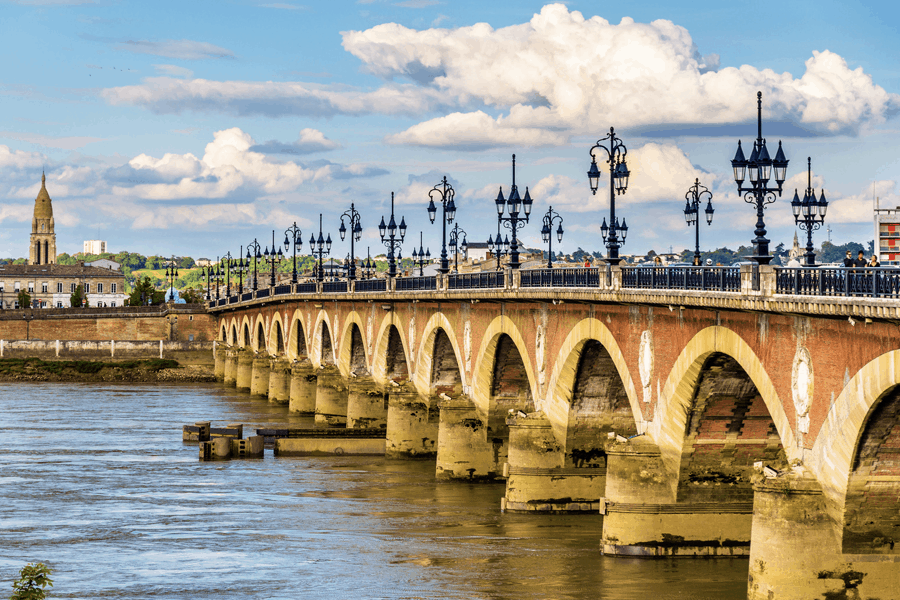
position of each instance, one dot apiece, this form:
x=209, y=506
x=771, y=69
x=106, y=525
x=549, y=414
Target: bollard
x=252, y=447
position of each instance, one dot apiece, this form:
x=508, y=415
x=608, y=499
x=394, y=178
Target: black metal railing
x=371, y=285
x=874, y=282
x=306, y=288
x=335, y=287
x=246, y=296
x=469, y=281
x=578, y=277
x=221, y=301
x=723, y=279
x=281, y=289
x=404, y=284
x=262, y=293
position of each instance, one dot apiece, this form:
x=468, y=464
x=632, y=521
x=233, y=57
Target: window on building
x=16, y=304
x=99, y=288
x=43, y=304
x=17, y=286
x=59, y=287
x=113, y=303
x=1, y=287
x=87, y=288
x=44, y=287
x=72, y=288
x=59, y=304
x=30, y=287
x=113, y=287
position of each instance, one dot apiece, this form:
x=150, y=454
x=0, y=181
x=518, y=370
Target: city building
x=94, y=247
x=203, y=262
x=104, y=263
x=887, y=235
x=51, y=285
x=476, y=251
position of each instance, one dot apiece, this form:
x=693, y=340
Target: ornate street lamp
x=171, y=275
x=321, y=247
x=368, y=267
x=513, y=222
x=547, y=233
x=225, y=273
x=254, y=255
x=207, y=272
x=273, y=259
x=759, y=168
x=240, y=267
x=809, y=214
x=692, y=201
x=618, y=183
x=444, y=191
x=421, y=257
x=457, y=246
x=498, y=247
x=293, y=236
x=218, y=275
x=352, y=217
x=389, y=238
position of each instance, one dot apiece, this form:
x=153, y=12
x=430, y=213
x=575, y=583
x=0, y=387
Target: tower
x=42, y=250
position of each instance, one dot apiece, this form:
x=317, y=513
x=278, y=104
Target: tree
x=33, y=578
x=193, y=296
x=76, y=300
x=24, y=299
x=143, y=291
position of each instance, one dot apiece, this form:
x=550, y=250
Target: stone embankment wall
x=186, y=353
x=172, y=323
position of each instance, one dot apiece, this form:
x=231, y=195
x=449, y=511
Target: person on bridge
x=861, y=260
x=848, y=260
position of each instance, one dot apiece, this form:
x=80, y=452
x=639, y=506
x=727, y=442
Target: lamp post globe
x=614, y=233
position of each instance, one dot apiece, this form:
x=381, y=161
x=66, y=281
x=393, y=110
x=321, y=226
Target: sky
x=194, y=128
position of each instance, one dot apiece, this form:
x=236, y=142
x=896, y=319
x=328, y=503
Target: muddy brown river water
x=96, y=483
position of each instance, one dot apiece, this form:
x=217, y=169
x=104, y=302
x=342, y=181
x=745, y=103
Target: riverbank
x=86, y=371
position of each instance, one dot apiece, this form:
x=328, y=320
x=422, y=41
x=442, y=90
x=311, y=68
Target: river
x=96, y=482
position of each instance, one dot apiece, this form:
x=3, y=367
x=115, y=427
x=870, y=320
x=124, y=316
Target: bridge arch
x=233, y=333
x=353, y=349
x=675, y=405
x=223, y=331
x=434, y=346
x=297, y=344
x=390, y=357
x=259, y=338
x=847, y=457
x=587, y=354
x=276, y=346
x=245, y=339
x=323, y=342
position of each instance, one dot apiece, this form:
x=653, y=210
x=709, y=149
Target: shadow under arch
x=562, y=382
x=670, y=423
x=259, y=341
x=352, y=355
x=322, y=342
x=233, y=333
x=425, y=365
x=390, y=355
x=245, y=341
x=276, y=346
x=297, y=344
x=483, y=372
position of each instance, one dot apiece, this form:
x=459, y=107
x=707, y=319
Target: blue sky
x=195, y=127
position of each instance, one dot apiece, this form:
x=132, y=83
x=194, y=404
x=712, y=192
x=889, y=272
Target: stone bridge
x=699, y=422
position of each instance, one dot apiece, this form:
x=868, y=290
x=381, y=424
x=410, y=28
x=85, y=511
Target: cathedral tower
x=42, y=250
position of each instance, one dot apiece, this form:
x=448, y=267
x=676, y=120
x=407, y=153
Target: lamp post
x=692, y=199
x=171, y=275
x=809, y=214
x=389, y=238
x=618, y=183
x=254, y=255
x=293, y=236
x=219, y=275
x=445, y=192
x=240, y=267
x=421, y=257
x=457, y=245
x=759, y=193
x=547, y=233
x=226, y=273
x=352, y=217
x=321, y=247
x=499, y=247
x=207, y=271
x=273, y=258
x=513, y=222
x=368, y=267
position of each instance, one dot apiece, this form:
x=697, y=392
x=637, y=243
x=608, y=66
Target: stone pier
x=280, y=381
x=244, y=374
x=219, y=355
x=303, y=388
x=231, y=366
x=331, y=397
x=366, y=406
x=412, y=424
x=464, y=452
x=259, y=379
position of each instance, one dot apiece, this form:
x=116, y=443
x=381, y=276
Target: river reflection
x=95, y=481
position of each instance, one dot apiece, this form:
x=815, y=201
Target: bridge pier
x=280, y=381
x=219, y=354
x=244, y=374
x=331, y=397
x=464, y=451
x=366, y=407
x=644, y=519
x=412, y=424
x=231, y=364
x=537, y=479
x=259, y=378
x=303, y=389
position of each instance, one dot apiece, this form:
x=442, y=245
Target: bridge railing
x=263, y=293
x=308, y=287
x=560, y=277
x=874, y=282
x=335, y=287
x=281, y=289
x=370, y=285
x=469, y=281
x=415, y=283
x=246, y=296
x=723, y=279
